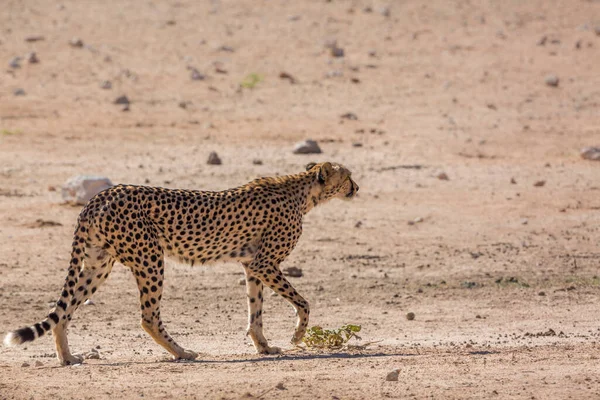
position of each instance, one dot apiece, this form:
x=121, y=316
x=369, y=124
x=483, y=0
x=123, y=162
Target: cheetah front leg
x=254, y=291
x=271, y=276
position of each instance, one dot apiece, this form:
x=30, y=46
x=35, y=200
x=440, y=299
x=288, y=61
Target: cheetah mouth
x=353, y=190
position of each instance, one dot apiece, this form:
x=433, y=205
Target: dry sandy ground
x=502, y=274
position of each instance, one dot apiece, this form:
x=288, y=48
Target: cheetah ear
x=325, y=172
x=310, y=165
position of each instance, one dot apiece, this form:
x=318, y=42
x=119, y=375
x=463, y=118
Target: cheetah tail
x=39, y=329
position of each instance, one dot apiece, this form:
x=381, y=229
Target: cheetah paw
x=297, y=338
x=71, y=359
x=188, y=355
x=270, y=350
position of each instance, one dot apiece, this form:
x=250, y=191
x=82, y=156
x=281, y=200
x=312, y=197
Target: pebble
x=122, y=100
x=125, y=108
x=34, y=38
x=81, y=188
x=257, y=161
x=385, y=11
x=410, y=316
x=76, y=42
x=590, y=153
x=19, y=92
x=552, y=80
x=350, y=116
x=15, y=63
x=92, y=355
x=294, y=272
x=38, y=363
x=442, y=176
x=337, y=52
x=336, y=73
x=242, y=281
x=392, y=376
x=89, y=302
x=25, y=364
x=213, y=159
x=307, y=147
x=105, y=85
x=197, y=75
x=32, y=58
x=539, y=183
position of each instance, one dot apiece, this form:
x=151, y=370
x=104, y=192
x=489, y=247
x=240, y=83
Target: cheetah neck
x=312, y=191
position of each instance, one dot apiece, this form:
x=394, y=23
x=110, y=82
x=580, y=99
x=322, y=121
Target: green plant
x=251, y=81
x=317, y=337
x=6, y=132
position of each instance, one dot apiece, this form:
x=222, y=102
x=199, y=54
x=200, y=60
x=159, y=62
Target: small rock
x=280, y=386
x=19, y=92
x=25, y=364
x=392, y=376
x=89, y=302
x=285, y=75
x=125, y=108
x=242, y=281
x=337, y=52
x=542, y=293
x=92, y=355
x=590, y=153
x=372, y=53
x=513, y=181
x=358, y=224
x=552, y=80
x=524, y=221
x=334, y=74
x=442, y=176
x=350, y=116
x=38, y=363
x=294, y=272
x=256, y=161
x=32, y=58
x=15, y=63
x=357, y=144
x=122, y=100
x=76, y=42
x=213, y=159
x=410, y=316
x=539, y=183
x=227, y=49
x=105, y=85
x=307, y=147
x=197, y=75
x=34, y=38
x=80, y=189
x=385, y=11
x=542, y=41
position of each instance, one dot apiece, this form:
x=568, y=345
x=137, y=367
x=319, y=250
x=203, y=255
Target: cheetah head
x=332, y=181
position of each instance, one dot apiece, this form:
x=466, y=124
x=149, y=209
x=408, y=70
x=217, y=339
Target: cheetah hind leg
x=97, y=265
x=150, y=284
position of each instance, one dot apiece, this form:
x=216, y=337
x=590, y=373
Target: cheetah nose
x=355, y=187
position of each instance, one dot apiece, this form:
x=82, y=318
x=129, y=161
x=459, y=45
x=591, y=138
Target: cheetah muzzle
x=257, y=224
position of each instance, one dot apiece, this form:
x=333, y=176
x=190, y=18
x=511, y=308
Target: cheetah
x=257, y=224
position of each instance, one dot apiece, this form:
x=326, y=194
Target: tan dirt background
x=502, y=275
